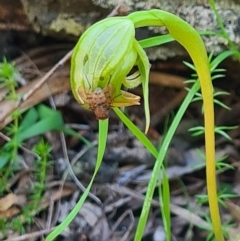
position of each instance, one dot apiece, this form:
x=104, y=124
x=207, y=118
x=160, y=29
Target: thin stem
x=224, y=32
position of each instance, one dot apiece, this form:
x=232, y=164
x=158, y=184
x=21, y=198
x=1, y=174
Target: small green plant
x=3, y=227
x=42, y=149
x=221, y=130
x=9, y=150
x=222, y=196
x=35, y=122
x=17, y=225
x=210, y=232
x=19, y=131
x=220, y=162
x=8, y=75
x=198, y=130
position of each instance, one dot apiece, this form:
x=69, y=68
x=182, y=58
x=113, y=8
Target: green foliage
x=164, y=200
x=42, y=149
x=223, y=195
x=35, y=122
x=3, y=226
x=199, y=130
x=220, y=162
x=8, y=153
x=8, y=75
x=17, y=225
x=209, y=229
x=223, y=32
x=214, y=73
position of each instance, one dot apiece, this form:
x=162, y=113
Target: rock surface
x=69, y=19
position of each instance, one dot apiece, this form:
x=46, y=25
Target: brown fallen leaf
x=59, y=82
x=54, y=194
x=10, y=200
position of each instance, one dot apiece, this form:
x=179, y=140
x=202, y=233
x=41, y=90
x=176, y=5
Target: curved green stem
x=190, y=39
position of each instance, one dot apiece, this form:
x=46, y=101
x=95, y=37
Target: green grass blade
x=158, y=164
x=69, y=131
x=220, y=58
x=144, y=68
x=29, y=118
x=102, y=140
x=164, y=199
x=49, y=122
x=167, y=38
x=139, y=134
x=155, y=41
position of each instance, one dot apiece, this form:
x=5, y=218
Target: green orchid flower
x=101, y=64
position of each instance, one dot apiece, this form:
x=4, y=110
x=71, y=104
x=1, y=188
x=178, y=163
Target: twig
x=72, y=174
x=6, y=138
x=14, y=26
x=47, y=75
x=30, y=235
x=115, y=10
x=50, y=215
x=70, y=171
x=184, y=213
x=120, y=219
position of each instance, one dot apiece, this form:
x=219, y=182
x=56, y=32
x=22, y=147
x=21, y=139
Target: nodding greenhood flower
x=101, y=63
